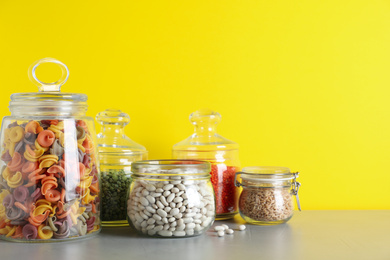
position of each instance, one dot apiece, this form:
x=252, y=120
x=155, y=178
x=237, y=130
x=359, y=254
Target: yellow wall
x=302, y=84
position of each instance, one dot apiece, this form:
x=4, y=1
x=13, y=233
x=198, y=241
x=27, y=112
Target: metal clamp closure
x=237, y=183
x=295, y=188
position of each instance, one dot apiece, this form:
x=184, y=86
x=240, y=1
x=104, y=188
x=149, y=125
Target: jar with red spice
x=207, y=145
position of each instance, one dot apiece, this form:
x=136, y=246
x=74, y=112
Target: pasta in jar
x=48, y=187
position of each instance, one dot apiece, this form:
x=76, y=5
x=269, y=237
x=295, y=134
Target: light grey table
x=308, y=235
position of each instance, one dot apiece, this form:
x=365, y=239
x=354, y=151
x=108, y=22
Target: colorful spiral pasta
x=33, y=127
x=44, y=194
x=46, y=138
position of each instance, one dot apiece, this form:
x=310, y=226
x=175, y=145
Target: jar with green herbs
x=116, y=153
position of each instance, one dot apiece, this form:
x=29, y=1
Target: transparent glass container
x=49, y=179
x=207, y=145
x=116, y=154
x=267, y=195
x=171, y=198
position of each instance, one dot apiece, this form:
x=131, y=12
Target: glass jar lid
x=205, y=136
x=113, y=144
x=171, y=167
x=49, y=100
x=267, y=173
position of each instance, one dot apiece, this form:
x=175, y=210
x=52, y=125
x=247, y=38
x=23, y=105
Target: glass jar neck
x=205, y=129
x=113, y=130
x=266, y=183
x=47, y=109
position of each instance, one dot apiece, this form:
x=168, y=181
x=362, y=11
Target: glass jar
x=116, y=154
x=266, y=198
x=207, y=145
x=49, y=182
x=171, y=198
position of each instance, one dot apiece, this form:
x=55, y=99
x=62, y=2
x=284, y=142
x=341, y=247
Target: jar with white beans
x=171, y=198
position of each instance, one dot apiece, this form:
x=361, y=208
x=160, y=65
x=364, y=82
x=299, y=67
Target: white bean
x=175, y=211
x=242, y=227
x=188, y=220
x=162, y=213
x=180, y=222
x=229, y=231
x=165, y=233
x=180, y=228
x=178, y=199
x=190, y=226
x=160, y=205
x=179, y=233
x=168, y=187
x=151, y=199
x=170, y=197
x=151, y=210
x=150, y=187
x=156, y=217
x=164, y=201
x=219, y=228
x=151, y=221
x=159, y=228
x=144, y=201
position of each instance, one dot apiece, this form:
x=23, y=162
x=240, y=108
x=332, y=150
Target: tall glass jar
x=266, y=198
x=207, y=145
x=49, y=182
x=171, y=198
x=116, y=154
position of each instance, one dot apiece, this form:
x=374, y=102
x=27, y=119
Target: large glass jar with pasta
x=49, y=181
x=116, y=154
x=207, y=145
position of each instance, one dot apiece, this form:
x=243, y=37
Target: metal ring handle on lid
x=51, y=86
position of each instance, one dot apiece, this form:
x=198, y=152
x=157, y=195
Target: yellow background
x=302, y=84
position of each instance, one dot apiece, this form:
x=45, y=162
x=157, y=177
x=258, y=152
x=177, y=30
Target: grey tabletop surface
x=308, y=235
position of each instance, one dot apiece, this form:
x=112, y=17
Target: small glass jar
x=171, y=198
x=116, y=154
x=49, y=181
x=266, y=198
x=207, y=145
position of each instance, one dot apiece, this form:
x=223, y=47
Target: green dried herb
x=115, y=185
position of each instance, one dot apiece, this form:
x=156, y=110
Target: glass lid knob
x=48, y=86
x=113, y=117
x=205, y=117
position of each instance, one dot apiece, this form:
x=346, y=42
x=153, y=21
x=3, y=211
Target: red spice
x=226, y=194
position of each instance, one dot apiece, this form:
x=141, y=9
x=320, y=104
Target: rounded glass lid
x=205, y=136
x=112, y=138
x=47, y=91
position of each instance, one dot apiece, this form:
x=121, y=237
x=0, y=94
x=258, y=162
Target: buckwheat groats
x=266, y=204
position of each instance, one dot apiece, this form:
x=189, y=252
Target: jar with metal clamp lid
x=266, y=198
x=116, y=154
x=49, y=182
